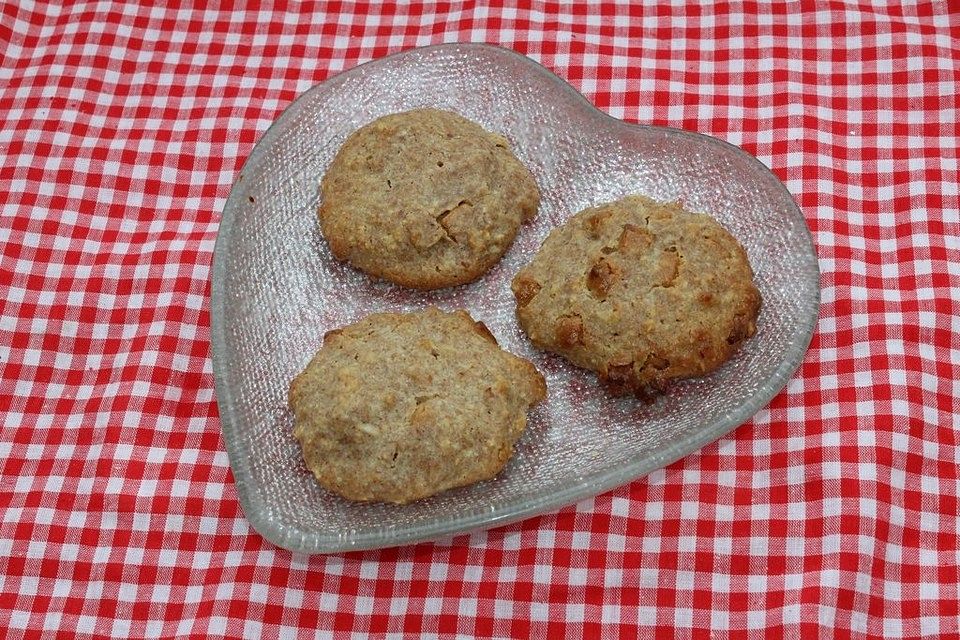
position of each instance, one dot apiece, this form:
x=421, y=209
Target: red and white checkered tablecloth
x=834, y=511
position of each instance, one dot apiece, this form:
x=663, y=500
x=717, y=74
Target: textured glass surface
x=277, y=289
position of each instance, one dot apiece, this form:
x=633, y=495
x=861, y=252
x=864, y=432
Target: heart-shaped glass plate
x=277, y=289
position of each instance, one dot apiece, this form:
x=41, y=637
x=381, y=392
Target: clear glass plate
x=276, y=290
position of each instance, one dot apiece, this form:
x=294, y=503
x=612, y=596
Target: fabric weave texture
x=833, y=512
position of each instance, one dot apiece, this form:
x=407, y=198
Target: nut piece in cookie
x=425, y=199
x=400, y=406
x=643, y=293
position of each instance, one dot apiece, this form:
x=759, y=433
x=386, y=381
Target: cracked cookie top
x=643, y=293
x=400, y=406
x=425, y=199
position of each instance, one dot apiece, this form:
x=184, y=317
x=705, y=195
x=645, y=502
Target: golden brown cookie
x=640, y=292
x=400, y=406
x=425, y=199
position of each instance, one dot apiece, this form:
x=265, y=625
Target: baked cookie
x=425, y=199
x=640, y=292
x=400, y=406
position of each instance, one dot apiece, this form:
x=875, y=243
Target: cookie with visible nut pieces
x=400, y=406
x=643, y=293
x=425, y=199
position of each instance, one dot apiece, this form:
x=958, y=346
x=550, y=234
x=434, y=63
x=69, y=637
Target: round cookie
x=640, y=292
x=425, y=199
x=400, y=406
